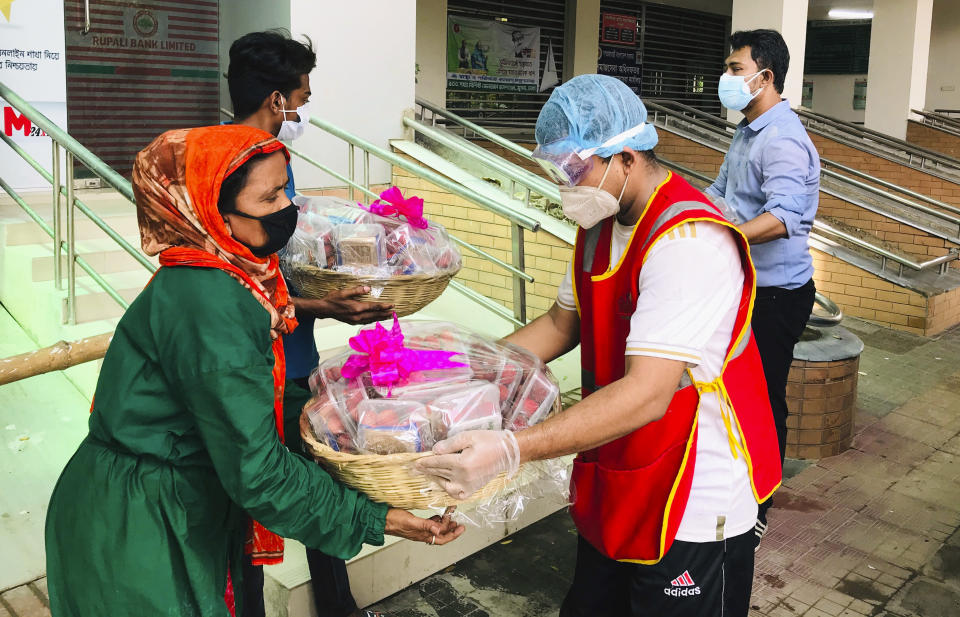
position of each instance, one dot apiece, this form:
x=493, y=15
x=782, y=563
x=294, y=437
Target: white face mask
x=292, y=129
x=588, y=205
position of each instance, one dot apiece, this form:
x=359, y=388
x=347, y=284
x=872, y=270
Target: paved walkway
x=872, y=532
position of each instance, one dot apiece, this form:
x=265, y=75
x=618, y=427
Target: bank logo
x=5, y=8
x=145, y=23
x=682, y=586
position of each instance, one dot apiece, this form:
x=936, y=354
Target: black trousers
x=779, y=316
x=328, y=579
x=694, y=579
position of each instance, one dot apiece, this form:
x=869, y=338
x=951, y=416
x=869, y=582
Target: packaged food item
x=359, y=245
x=473, y=406
x=327, y=422
x=391, y=426
x=534, y=403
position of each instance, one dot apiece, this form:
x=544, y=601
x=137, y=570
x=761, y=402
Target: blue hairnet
x=587, y=111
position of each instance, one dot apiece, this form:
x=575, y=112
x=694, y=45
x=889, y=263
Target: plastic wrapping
x=502, y=387
x=336, y=234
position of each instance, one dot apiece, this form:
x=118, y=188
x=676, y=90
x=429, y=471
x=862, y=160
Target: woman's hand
x=434, y=530
x=342, y=306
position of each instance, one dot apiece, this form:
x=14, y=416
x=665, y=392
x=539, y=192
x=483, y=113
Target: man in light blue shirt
x=770, y=181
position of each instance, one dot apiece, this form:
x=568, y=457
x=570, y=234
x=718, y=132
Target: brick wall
x=896, y=173
x=933, y=139
x=912, y=242
x=546, y=255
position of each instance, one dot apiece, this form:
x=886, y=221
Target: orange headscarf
x=176, y=182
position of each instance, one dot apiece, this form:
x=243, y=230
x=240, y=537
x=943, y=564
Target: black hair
x=264, y=62
x=649, y=157
x=234, y=183
x=768, y=50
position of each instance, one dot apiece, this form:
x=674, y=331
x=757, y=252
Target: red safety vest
x=630, y=494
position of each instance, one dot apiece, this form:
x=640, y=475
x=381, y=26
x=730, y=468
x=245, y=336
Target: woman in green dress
x=185, y=466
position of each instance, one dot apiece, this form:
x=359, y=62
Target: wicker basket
x=390, y=478
x=407, y=292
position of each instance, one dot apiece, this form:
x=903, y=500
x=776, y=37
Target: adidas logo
x=682, y=586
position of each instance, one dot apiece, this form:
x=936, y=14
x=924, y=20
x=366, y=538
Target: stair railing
x=62, y=186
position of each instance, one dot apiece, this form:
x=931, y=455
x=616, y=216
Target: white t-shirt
x=690, y=290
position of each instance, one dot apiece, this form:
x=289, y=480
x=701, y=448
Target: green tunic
x=150, y=510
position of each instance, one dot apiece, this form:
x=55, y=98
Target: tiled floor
x=872, y=532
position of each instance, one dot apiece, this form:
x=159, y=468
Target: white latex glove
x=728, y=212
x=463, y=464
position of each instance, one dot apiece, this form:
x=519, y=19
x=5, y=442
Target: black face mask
x=278, y=226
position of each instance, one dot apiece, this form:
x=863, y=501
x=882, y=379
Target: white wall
x=943, y=72
x=246, y=16
x=432, y=50
x=833, y=96
x=364, y=80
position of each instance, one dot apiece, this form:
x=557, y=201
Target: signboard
x=622, y=63
x=32, y=65
x=618, y=29
x=141, y=69
x=492, y=56
x=860, y=94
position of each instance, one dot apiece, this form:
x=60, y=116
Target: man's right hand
x=342, y=305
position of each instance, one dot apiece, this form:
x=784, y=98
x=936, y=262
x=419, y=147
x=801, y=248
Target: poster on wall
x=32, y=64
x=618, y=29
x=622, y=63
x=492, y=56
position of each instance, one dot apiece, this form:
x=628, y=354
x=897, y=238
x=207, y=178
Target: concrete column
x=363, y=83
x=432, y=50
x=789, y=18
x=899, y=54
x=581, y=38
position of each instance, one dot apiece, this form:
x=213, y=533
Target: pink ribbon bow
x=392, y=203
x=382, y=354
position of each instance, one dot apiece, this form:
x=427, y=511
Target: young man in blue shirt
x=269, y=81
x=770, y=179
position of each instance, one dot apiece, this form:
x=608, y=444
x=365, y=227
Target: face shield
x=565, y=164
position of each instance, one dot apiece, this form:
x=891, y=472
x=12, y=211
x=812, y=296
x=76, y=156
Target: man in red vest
x=675, y=438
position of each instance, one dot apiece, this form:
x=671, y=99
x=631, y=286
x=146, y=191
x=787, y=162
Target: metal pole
x=71, y=246
x=519, y=285
x=366, y=170
x=57, y=230
x=350, y=170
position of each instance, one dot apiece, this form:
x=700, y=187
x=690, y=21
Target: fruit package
x=421, y=382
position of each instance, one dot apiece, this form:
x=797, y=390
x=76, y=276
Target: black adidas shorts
x=694, y=579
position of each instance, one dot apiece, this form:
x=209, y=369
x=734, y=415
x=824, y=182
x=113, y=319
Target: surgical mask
x=734, y=90
x=588, y=205
x=292, y=129
x=279, y=227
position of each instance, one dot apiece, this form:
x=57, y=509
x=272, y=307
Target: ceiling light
x=850, y=14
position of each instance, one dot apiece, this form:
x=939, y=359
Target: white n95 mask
x=588, y=205
x=292, y=129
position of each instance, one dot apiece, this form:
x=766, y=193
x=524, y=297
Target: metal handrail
x=947, y=120
x=523, y=220
x=884, y=254
x=530, y=181
x=881, y=138
x=75, y=151
x=476, y=128
x=855, y=183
